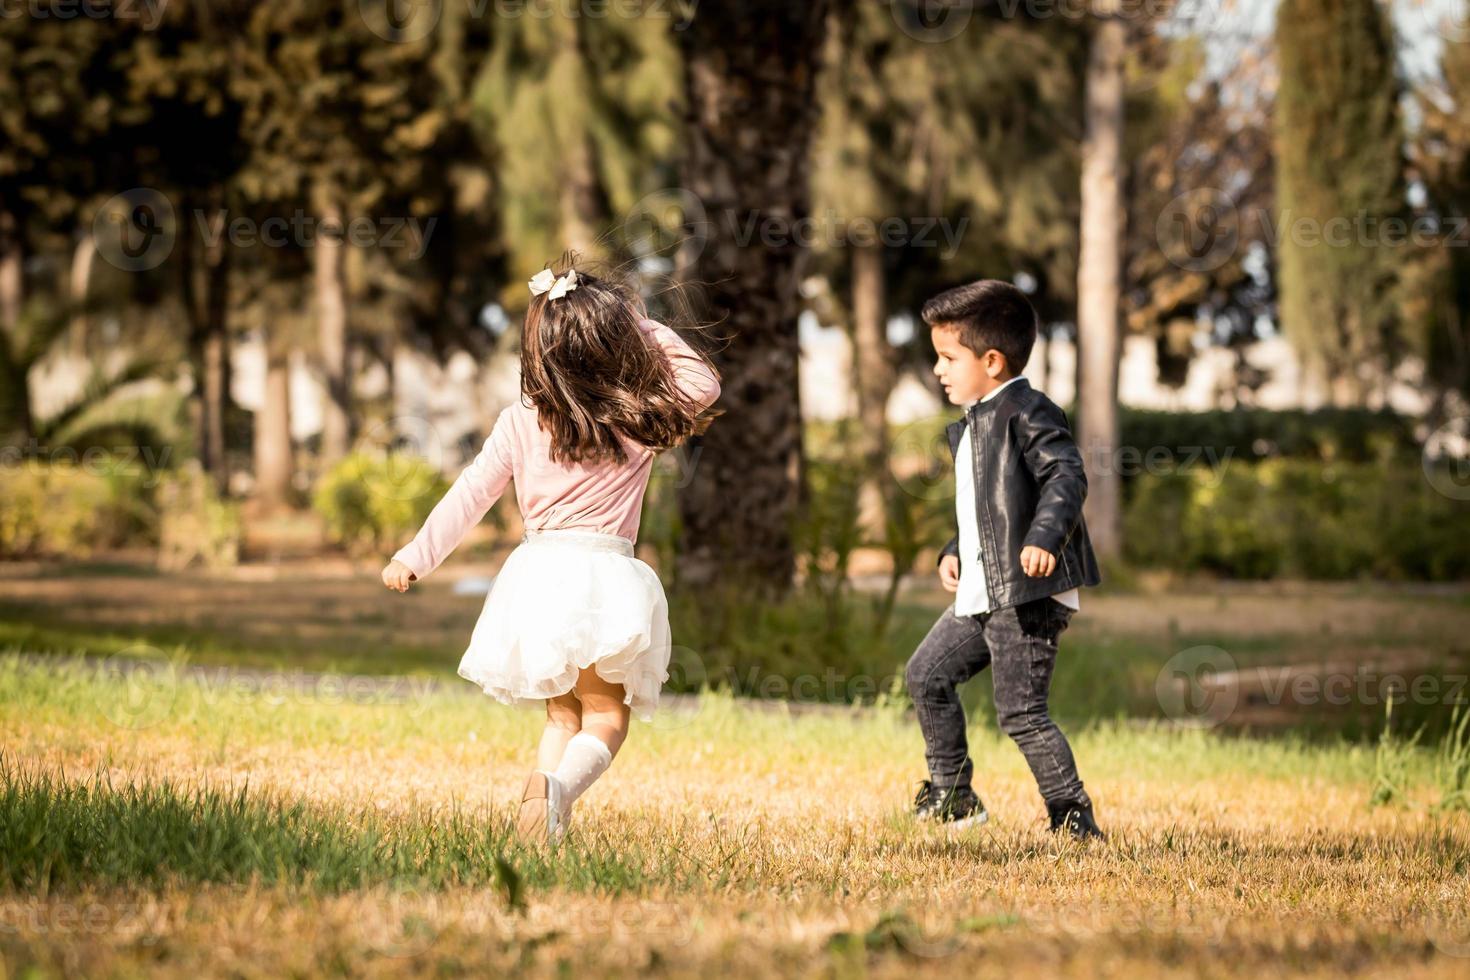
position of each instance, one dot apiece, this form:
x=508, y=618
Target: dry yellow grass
x=1228, y=857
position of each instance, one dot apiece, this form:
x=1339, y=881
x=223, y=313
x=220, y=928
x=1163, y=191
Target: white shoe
x=541, y=816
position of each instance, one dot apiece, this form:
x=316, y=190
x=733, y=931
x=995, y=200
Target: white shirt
x=971, y=598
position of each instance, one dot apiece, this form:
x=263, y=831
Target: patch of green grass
x=74, y=697
x=37, y=629
x=60, y=833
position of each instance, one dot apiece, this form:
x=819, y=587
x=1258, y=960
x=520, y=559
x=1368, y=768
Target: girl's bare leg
x=563, y=720
x=546, y=804
x=604, y=715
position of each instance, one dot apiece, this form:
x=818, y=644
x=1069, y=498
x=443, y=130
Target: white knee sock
x=586, y=757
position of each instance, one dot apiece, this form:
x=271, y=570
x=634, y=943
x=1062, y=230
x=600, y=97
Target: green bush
x=1331, y=435
x=66, y=510
x=194, y=523
x=1334, y=435
x=1295, y=518
x=370, y=500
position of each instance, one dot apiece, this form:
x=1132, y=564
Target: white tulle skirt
x=566, y=600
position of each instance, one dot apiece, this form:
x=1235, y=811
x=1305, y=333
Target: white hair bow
x=545, y=281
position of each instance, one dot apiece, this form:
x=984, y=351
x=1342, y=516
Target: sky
x=1422, y=28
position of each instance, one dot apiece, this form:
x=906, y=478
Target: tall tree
x=577, y=111
x=1199, y=199
x=1436, y=290
x=53, y=133
x=750, y=79
x=191, y=150
x=1100, y=272
x=90, y=108
x=1339, y=175
x=351, y=127
x=934, y=131
x=307, y=105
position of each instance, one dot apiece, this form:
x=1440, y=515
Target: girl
x=573, y=619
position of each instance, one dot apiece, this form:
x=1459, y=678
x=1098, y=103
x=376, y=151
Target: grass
x=1111, y=657
x=160, y=826
x=154, y=824
x=40, y=630
x=60, y=833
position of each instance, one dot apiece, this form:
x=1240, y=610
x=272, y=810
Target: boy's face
x=965, y=375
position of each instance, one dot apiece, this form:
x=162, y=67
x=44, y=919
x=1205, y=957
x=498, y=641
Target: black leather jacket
x=1029, y=488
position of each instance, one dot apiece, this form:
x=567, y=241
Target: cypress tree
x=1339, y=176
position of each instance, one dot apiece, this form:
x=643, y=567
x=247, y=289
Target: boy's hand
x=397, y=575
x=949, y=573
x=1036, y=562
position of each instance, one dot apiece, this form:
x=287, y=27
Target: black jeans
x=1019, y=644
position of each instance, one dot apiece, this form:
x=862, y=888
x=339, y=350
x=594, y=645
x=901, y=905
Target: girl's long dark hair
x=591, y=373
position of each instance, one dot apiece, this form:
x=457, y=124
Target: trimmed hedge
x=1328, y=435
x=1293, y=518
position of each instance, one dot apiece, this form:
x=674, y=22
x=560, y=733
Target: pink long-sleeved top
x=605, y=496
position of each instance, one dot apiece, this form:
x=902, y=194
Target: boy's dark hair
x=988, y=314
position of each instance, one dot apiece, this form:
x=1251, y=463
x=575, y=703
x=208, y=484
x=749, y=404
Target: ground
x=153, y=824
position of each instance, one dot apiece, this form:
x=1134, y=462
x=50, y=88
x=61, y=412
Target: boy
x=1016, y=565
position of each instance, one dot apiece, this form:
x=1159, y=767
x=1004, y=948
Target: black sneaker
x=1076, y=819
x=955, y=807
x=922, y=798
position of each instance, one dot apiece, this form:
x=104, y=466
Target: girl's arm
x=474, y=492
x=692, y=376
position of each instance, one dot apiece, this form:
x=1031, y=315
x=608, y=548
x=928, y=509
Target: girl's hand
x=397, y=575
x=1037, y=562
x=949, y=573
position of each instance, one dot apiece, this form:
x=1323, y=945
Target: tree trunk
x=81, y=278
x=874, y=377
x=217, y=395
x=1099, y=277
x=749, y=74
x=331, y=319
x=206, y=277
x=16, y=423
x=273, y=455
x=581, y=206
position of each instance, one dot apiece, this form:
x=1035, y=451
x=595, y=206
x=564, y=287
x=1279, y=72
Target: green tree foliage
x=1199, y=186
x=980, y=129
x=1339, y=175
x=1437, y=294
x=579, y=112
